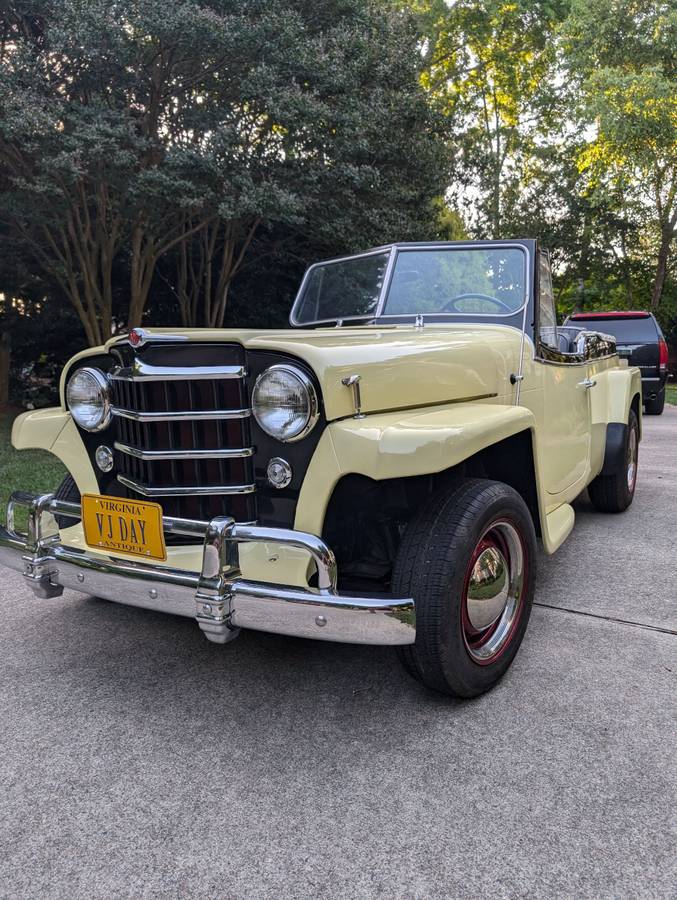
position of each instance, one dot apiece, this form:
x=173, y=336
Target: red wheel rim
x=492, y=599
x=632, y=460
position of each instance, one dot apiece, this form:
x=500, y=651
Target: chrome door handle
x=587, y=383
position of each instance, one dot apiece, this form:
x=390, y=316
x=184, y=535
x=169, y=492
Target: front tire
x=67, y=490
x=469, y=561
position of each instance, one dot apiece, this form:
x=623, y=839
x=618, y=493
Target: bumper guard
x=218, y=597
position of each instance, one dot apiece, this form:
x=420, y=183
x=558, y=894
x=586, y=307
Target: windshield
x=342, y=289
x=461, y=281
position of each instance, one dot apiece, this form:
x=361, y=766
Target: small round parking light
x=104, y=458
x=279, y=472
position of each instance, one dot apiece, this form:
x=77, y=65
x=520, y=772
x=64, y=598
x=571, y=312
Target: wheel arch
x=365, y=517
x=636, y=406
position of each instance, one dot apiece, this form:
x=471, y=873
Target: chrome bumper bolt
x=152, y=593
x=320, y=621
x=81, y=577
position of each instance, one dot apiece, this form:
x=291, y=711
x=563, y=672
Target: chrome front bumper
x=218, y=597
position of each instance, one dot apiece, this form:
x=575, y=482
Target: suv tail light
x=662, y=355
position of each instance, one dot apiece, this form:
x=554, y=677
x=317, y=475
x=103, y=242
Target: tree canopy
x=138, y=129
x=183, y=162
x=562, y=118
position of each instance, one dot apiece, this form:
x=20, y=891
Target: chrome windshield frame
x=381, y=317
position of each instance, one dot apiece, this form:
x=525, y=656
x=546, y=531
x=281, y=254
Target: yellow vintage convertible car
x=378, y=473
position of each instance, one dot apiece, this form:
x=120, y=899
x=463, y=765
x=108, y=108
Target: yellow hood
x=400, y=366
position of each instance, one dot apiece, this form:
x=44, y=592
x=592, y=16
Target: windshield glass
x=460, y=281
x=342, y=289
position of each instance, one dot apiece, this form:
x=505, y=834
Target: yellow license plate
x=124, y=526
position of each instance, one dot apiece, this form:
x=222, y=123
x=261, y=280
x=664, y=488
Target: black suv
x=640, y=340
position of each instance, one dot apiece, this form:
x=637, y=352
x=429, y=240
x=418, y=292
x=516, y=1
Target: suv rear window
x=626, y=331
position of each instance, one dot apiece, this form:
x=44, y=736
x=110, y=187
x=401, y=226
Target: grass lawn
x=671, y=393
x=29, y=470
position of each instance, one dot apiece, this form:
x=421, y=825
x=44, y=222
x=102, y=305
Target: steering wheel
x=451, y=304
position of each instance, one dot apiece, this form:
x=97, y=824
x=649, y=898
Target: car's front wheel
x=469, y=561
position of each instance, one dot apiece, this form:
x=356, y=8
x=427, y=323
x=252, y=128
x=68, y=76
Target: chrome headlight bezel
x=306, y=385
x=101, y=384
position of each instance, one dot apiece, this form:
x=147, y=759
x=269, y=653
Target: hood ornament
x=353, y=381
x=137, y=337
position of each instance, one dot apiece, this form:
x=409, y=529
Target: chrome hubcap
x=493, y=592
x=488, y=588
x=632, y=458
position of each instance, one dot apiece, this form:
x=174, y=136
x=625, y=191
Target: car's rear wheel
x=655, y=407
x=469, y=561
x=614, y=492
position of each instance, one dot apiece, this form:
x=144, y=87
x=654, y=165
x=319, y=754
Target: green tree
x=621, y=56
x=135, y=130
x=489, y=67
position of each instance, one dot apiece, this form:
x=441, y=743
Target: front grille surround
x=183, y=434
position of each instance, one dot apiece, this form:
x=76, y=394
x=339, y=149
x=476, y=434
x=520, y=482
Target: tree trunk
x=667, y=234
x=5, y=357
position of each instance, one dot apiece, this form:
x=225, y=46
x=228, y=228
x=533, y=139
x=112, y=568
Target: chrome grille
x=183, y=434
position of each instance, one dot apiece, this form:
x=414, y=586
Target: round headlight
x=284, y=403
x=88, y=398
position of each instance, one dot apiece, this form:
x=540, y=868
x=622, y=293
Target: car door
x=566, y=381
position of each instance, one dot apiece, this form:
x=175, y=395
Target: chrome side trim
x=142, y=371
x=180, y=415
x=186, y=490
x=150, y=455
x=217, y=596
x=590, y=347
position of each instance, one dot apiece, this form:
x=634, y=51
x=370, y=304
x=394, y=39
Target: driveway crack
x=616, y=621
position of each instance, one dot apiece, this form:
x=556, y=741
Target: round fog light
x=104, y=458
x=279, y=472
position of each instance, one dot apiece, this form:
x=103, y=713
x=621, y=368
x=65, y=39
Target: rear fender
x=613, y=396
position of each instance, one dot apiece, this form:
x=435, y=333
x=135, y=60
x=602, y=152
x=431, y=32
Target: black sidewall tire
x=610, y=493
x=432, y=567
x=655, y=407
x=68, y=491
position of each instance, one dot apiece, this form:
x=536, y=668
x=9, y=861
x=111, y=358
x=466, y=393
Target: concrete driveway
x=138, y=760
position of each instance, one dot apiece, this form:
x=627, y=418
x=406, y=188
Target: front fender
x=54, y=430
x=400, y=445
